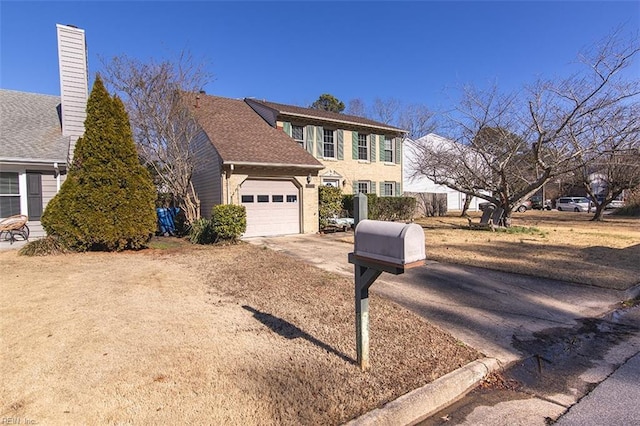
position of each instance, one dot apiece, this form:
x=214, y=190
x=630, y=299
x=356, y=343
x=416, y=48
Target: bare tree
x=613, y=165
x=505, y=147
x=356, y=107
x=162, y=121
x=417, y=119
x=385, y=111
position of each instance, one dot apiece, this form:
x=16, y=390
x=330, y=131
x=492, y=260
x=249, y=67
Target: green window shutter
x=372, y=146
x=373, y=188
x=309, y=142
x=355, y=186
x=398, y=152
x=319, y=142
x=381, y=145
x=286, y=126
x=398, y=186
x=354, y=145
x=340, y=144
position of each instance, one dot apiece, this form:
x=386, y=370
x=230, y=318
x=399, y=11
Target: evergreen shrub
x=201, y=232
x=228, y=222
x=329, y=204
x=107, y=199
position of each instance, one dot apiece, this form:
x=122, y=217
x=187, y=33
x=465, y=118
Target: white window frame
x=391, y=149
x=367, y=186
x=21, y=178
x=325, y=144
x=301, y=142
x=366, y=147
x=392, y=185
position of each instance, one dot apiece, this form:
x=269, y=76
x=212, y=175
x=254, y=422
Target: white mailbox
x=396, y=244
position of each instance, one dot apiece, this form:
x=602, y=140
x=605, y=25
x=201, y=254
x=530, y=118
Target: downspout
x=57, y=172
x=231, y=167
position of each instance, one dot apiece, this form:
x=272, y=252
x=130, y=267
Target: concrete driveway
x=488, y=310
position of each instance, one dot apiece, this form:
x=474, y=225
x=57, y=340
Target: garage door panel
x=272, y=207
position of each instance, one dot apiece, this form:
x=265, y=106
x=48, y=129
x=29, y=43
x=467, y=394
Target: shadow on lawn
x=290, y=331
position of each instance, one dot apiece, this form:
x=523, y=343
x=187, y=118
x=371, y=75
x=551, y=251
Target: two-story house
x=271, y=158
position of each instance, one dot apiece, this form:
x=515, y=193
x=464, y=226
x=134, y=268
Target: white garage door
x=273, y=207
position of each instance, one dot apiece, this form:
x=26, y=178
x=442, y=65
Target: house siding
x=353, y=170
x=74, y=83
x=206, y=177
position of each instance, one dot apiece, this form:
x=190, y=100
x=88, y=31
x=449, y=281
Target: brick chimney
x=74, y=82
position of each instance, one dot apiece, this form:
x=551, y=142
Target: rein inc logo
x=17, y=421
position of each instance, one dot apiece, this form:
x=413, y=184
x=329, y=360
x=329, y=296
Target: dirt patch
x=219, y=335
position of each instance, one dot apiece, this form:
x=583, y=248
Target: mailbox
x=391, y=243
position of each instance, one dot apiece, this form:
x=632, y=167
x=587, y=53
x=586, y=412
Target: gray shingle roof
x=321, y=115
x=242, y=136
x=30, y=128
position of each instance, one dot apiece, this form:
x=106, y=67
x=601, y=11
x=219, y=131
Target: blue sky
x=291, y=52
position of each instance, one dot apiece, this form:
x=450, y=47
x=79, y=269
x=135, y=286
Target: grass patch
x=526, y=230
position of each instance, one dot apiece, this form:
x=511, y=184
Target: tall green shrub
x=107, y=200
x=329, y=203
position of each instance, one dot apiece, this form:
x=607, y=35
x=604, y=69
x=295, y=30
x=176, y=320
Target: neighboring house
x=359, y=155
x=418, y=185
x=271, y=158
x=38, y=133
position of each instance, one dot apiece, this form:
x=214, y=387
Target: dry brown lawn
x=560, y=245
x=200, y=335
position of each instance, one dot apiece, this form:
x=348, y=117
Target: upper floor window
x=388, y=149
x=363, y=147
x=329, y=144
x=364, y=186
x=297, y=133
x=9, y=194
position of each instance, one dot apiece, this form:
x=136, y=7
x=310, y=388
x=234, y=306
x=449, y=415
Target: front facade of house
x=359, y=155
x=38, y=133
x=242, y=160
x=271, y=158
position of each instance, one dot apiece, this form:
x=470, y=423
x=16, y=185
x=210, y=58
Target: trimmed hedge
x=384, y=208
x=228, y=222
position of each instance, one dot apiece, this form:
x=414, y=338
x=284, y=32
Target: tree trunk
x=597, y=216
x=467, y=203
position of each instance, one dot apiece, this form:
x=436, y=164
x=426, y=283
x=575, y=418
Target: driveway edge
x=420, y=403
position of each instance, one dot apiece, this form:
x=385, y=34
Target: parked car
x=614, y=204
x=573, y=204
x=537, y=203
x=522, y=207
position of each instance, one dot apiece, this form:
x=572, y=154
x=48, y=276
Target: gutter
x=352, y=123
x=256, y=164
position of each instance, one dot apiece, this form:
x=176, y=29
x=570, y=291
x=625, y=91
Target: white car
x=573, y=204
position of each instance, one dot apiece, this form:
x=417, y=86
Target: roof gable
x=30, y=128
x=321, y=115
x=242, y=136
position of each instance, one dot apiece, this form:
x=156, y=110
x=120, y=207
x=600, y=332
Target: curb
x=420, y=403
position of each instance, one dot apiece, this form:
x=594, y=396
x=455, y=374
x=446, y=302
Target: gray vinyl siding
x=49, y=188
x=74, y=85
x=207, y=175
